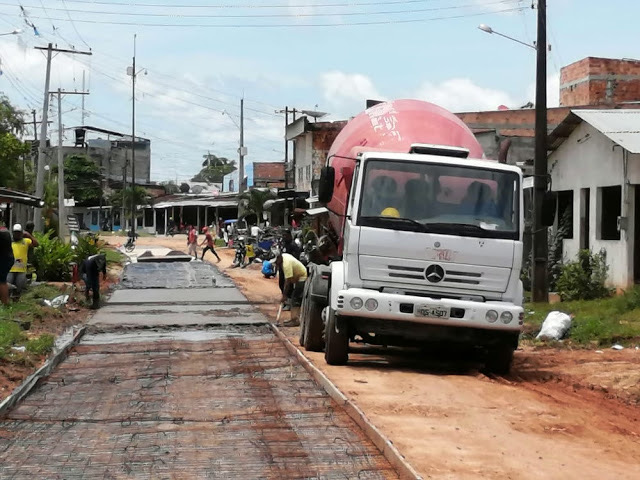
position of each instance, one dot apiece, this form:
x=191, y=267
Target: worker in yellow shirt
x=295, y=274
x=22, y=242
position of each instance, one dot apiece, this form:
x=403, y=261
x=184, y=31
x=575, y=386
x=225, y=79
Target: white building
x=595, y=167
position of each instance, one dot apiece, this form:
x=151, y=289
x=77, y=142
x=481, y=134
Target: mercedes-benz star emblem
x=434, y=273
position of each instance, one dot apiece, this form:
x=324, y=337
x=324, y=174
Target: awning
x=196, y=203
x=11, y=196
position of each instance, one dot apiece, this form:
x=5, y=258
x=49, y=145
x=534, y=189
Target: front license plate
x=431, y=311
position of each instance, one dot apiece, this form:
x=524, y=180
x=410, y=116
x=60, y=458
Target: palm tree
x=254, y=199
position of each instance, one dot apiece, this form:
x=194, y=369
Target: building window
x=565, y=212
x=308, y=173
x=300, y=171
x=610, y=210
x=94, y=217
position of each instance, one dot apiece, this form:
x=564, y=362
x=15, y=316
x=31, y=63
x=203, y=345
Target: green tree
x=82, y=179
x=12, y=155
x=13, y=151
x=214, y=168
x=253, y=201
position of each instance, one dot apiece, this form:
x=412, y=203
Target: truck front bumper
x=357, y=302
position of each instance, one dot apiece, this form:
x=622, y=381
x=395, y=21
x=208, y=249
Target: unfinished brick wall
x=600, y=81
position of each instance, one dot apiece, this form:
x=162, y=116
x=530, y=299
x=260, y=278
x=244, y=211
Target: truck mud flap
x=319, y=288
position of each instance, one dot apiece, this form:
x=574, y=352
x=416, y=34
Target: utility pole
x=241, y=150
x=134, y=75
x=540, y=291
x=61, y=206
x=84, y=114
x=35, y=126
x=286, y=145
x=37, y=218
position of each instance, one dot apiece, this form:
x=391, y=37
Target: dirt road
x=560, y=415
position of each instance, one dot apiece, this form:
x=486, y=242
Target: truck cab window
x=441, y=198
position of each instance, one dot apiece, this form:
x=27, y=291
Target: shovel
x=279, y=313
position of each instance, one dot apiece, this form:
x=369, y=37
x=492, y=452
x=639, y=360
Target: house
x=595, y=168
x=312, y=141
x=230, y=181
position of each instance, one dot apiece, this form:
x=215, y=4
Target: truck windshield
x=428, y=197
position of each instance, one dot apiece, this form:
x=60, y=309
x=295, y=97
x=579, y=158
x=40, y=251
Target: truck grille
x=413, y=274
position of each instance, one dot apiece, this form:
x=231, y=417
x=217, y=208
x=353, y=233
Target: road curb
x=45, y=370
x=382, y=443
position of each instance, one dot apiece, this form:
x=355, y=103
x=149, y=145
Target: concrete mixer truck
x=426, y=237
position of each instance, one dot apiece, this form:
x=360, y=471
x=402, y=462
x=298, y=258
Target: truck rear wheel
x=499, y=359
x=337, y=341
x=313, y=327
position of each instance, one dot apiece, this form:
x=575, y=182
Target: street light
x=540, y=284
x=489, y=30
x=17, y=31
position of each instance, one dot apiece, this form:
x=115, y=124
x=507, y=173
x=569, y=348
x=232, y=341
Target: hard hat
x=17, y=227
x=390, y=212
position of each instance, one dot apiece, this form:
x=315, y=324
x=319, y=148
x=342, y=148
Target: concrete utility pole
x=241, y=151
x=37, y=219
x=540, y=284
x=61, y=206
x=134, y=75
x=84, y=113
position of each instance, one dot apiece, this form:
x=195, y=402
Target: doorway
x=636, y=234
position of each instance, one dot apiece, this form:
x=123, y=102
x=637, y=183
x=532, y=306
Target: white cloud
x=462, y=94
x=347, y=91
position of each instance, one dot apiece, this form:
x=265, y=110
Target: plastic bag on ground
x=57, y=302
x=555, y=326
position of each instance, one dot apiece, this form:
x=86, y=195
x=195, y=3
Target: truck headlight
x=356, y=303
x=371, y=304
x=506, y=317
x=491, y=316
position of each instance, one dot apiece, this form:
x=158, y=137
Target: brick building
x=312, y=141
x=269, y=174
x=600, y=81
x=589, y=83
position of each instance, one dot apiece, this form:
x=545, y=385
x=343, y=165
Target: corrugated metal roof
x=621, y=126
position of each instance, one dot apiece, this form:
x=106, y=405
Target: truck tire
x=313, y=327
x=499, y=359
x=337, y=342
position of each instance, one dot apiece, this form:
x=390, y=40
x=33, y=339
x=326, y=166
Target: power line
x=74, y=25
x=291, y=25
x=250, y=6
x=275, y=15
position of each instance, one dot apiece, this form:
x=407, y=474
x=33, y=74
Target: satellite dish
x=314, y=114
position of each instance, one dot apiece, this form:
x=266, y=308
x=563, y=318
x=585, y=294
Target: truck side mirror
x=325, y=188
x=549, y=207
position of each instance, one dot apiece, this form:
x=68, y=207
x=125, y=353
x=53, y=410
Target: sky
x=197, y=58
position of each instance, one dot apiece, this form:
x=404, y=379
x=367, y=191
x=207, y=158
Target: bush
x=584, y=278
x=52, y=258
x=87, y=245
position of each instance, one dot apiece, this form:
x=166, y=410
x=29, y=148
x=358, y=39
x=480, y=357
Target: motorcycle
x=241, y=253
x=131, y=242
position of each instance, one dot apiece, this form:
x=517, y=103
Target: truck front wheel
x=499, y=359
x=337, y=340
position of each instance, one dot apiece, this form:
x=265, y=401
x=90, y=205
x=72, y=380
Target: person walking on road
x=192, y=241
x=6, y=262
x=90, y=270
x=22, y=242
x=208, y=239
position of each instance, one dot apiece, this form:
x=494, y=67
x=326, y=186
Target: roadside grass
x=26, y=311
x=601, y=323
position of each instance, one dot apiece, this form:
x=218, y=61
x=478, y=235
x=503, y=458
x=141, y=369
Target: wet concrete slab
x=224, y=403
x=177, y=296
x=210, y=316
x=194, y=274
